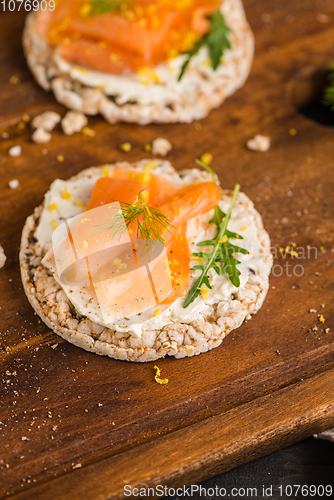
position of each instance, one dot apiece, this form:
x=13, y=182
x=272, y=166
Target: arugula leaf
x=216, y=39
x=99, y=7
x=221, y=258
x=329, y=92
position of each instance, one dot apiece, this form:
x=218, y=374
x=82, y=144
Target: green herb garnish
x=216, y=39
x=329, y=92
x=221, y=257
x=152, y=223
x=99, y=7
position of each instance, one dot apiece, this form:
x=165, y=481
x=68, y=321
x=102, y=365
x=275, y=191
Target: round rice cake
x=177, y=335
x=144, y=99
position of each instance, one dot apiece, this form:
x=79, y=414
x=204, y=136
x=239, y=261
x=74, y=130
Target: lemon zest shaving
x=158, y=379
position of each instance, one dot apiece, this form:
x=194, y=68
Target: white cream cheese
x=66, y=199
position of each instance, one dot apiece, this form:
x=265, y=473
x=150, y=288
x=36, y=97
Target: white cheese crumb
x=13, y=184
x=259, y=143
x=41, y=136
x=73, y=122
x=47, y=121
x=3, y=257
x=15, y=151
x=161, y=146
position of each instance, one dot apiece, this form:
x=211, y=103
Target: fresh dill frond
x=329, y=92
x=152, y=224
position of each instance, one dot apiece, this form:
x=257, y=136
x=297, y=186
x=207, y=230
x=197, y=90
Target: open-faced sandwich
x=140, y=61
x=211, y=270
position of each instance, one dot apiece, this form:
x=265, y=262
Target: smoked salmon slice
x=133, y=34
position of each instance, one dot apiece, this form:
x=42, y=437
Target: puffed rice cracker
x=175, y=339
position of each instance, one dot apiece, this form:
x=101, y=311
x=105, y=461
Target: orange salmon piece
x=142, y=33
x=108, y=190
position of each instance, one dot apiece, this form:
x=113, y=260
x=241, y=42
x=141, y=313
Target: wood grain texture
x=222, y=408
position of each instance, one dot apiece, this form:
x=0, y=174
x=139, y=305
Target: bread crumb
x=13, y=184
x=15, y=151
x=46, y=121
x=161, y=147
x=312, y=311
x=259, y=143
x=41, y=136
x=3, y=257
x=73, y=121
x=77, y=466
x=4, y=135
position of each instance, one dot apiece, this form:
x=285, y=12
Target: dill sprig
x=216, y=39
x=221, y=257
x=329, y=92
x=99, y=7
x=152, y=224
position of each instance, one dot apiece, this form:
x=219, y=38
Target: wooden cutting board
x=76, y=425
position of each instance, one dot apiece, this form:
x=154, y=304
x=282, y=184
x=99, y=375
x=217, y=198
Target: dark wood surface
x=269, y=384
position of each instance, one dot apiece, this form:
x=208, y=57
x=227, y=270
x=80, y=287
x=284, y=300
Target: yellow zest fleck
x=199, y=259
x=198, y=127
x=158, y=379
x=65, y=194
x=130, y=231
x=294, y=245
x=118, y=264
x=321, y=319
x=244, y=228
x=126, y=147
x=85, y=244
x=150, y=166
x=144, y=178
x=86, y=9
x=81, y=69
x=60, y=158
x=179, y=211
x=53, y=223
x=88, y=131
x=204, y=292
x=145, y=196
x=322, y=249
x=85, y=219
x=26, y=117
x=21, y=125
x=207, y=158
x=79, y=204
x=223, y=239
x=281, y=250
x=179, y=282
x=292, y=131
x=129, y=14
x=52, y=207
x=105, y=171
x=148, y=148
x=156, y=313
x=14, y=80
x=147, y=76
x=103, y=45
